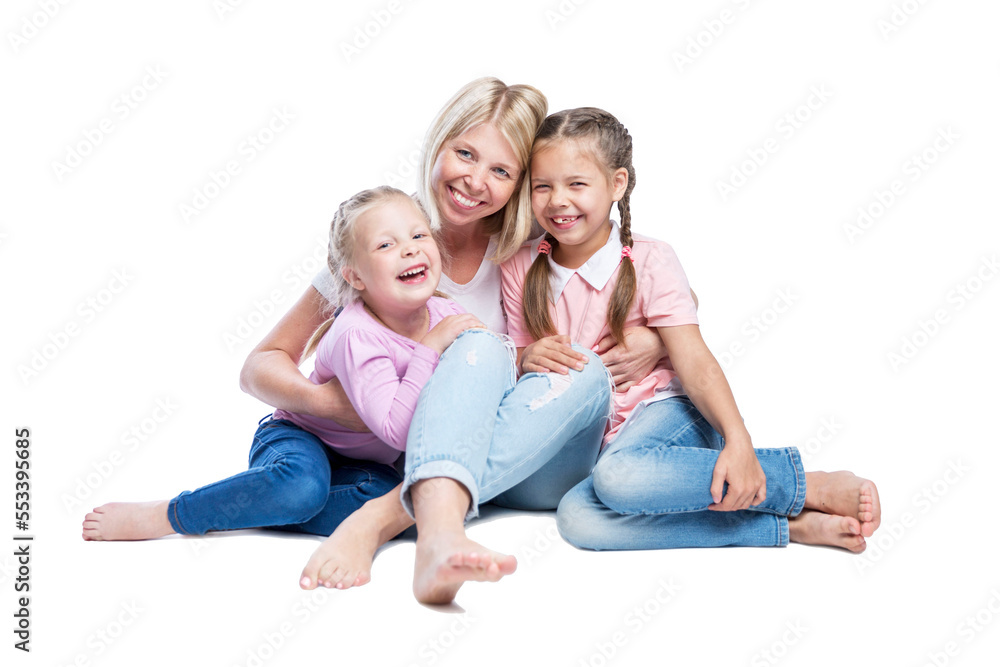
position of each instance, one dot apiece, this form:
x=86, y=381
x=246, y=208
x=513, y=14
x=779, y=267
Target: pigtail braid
x=620, y=156
x=535, y=305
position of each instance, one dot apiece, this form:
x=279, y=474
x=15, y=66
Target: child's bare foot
x=345, y=558
x=128, y=521
x=845, y=494
x=832, y=530
x=447, y=560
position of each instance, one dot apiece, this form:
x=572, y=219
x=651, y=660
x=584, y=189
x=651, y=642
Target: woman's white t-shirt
x=480, y=296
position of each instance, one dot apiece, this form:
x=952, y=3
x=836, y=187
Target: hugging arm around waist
x=271, y=370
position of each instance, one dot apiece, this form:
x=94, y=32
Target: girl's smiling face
x=395, y=262
x=474, y=175
x=571, y=197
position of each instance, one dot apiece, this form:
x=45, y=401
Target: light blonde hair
x=341, y=246
x=517, y=112
x=612, y=148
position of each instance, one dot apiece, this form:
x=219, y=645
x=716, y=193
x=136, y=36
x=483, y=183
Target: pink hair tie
x=627, y=252
x=544, y=248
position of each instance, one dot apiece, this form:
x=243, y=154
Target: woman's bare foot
x=447, y=560
x=832, y=530
x=128, y=521
x=345, y=558
x=845, y=494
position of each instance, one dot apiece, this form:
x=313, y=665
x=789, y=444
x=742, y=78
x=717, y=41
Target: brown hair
x=612, y=146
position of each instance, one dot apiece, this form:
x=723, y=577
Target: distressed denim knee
x=593, y=380
x=481, y=346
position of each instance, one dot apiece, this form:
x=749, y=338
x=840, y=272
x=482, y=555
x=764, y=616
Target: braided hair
x=612, y=145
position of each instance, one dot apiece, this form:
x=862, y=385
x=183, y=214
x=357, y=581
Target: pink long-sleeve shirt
x=382, y=373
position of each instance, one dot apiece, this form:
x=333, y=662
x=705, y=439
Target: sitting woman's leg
x=475, y=434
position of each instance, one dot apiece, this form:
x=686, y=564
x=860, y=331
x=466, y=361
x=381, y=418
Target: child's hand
x=446, y=331
x=552, y=353
x=738, y=466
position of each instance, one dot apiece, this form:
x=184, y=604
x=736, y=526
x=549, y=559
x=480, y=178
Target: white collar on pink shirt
x=597, y=270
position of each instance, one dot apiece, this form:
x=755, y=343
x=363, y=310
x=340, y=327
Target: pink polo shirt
x=580, y=306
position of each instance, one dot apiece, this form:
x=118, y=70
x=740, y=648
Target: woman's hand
x=329, y=401
x=552, y=353
x=446, y=331
x=631, y=364
x=738, y=466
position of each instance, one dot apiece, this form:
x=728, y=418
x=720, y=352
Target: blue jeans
x=651, y=487
x=295, y=483
x=521, y=443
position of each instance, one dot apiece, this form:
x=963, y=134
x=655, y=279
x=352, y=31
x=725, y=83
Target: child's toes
x=850, y=525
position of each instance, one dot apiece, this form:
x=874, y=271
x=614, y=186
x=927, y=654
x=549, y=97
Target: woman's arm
x=271, y=372
x=708, y=389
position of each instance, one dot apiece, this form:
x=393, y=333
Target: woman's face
x=474, y=175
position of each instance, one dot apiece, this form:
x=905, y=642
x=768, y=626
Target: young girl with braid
x=677, y=467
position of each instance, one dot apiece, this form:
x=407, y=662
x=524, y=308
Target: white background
x=197, y=294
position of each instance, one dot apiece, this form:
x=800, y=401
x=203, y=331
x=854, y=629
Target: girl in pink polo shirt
x=678, y=468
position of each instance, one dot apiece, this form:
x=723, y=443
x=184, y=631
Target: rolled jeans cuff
x=800, y=485
x=782, y=531
x=175, y=521
x=441, y=468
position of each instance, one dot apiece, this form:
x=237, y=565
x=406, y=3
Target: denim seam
x=359, y=485
x=782, y=530
x=176, y=518
x=800, y=482
x=659, y=445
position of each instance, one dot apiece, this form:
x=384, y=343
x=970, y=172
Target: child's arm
x=706, y=386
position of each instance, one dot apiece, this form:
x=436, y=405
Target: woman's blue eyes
x=466, y=154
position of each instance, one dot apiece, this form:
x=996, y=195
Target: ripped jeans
x=521, y=443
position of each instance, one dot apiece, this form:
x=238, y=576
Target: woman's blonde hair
x=612, y=147
x=517, y=112
x=340, y=249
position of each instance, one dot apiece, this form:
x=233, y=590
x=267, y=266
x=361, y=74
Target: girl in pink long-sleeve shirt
x=308, y=474
x=678, y=468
